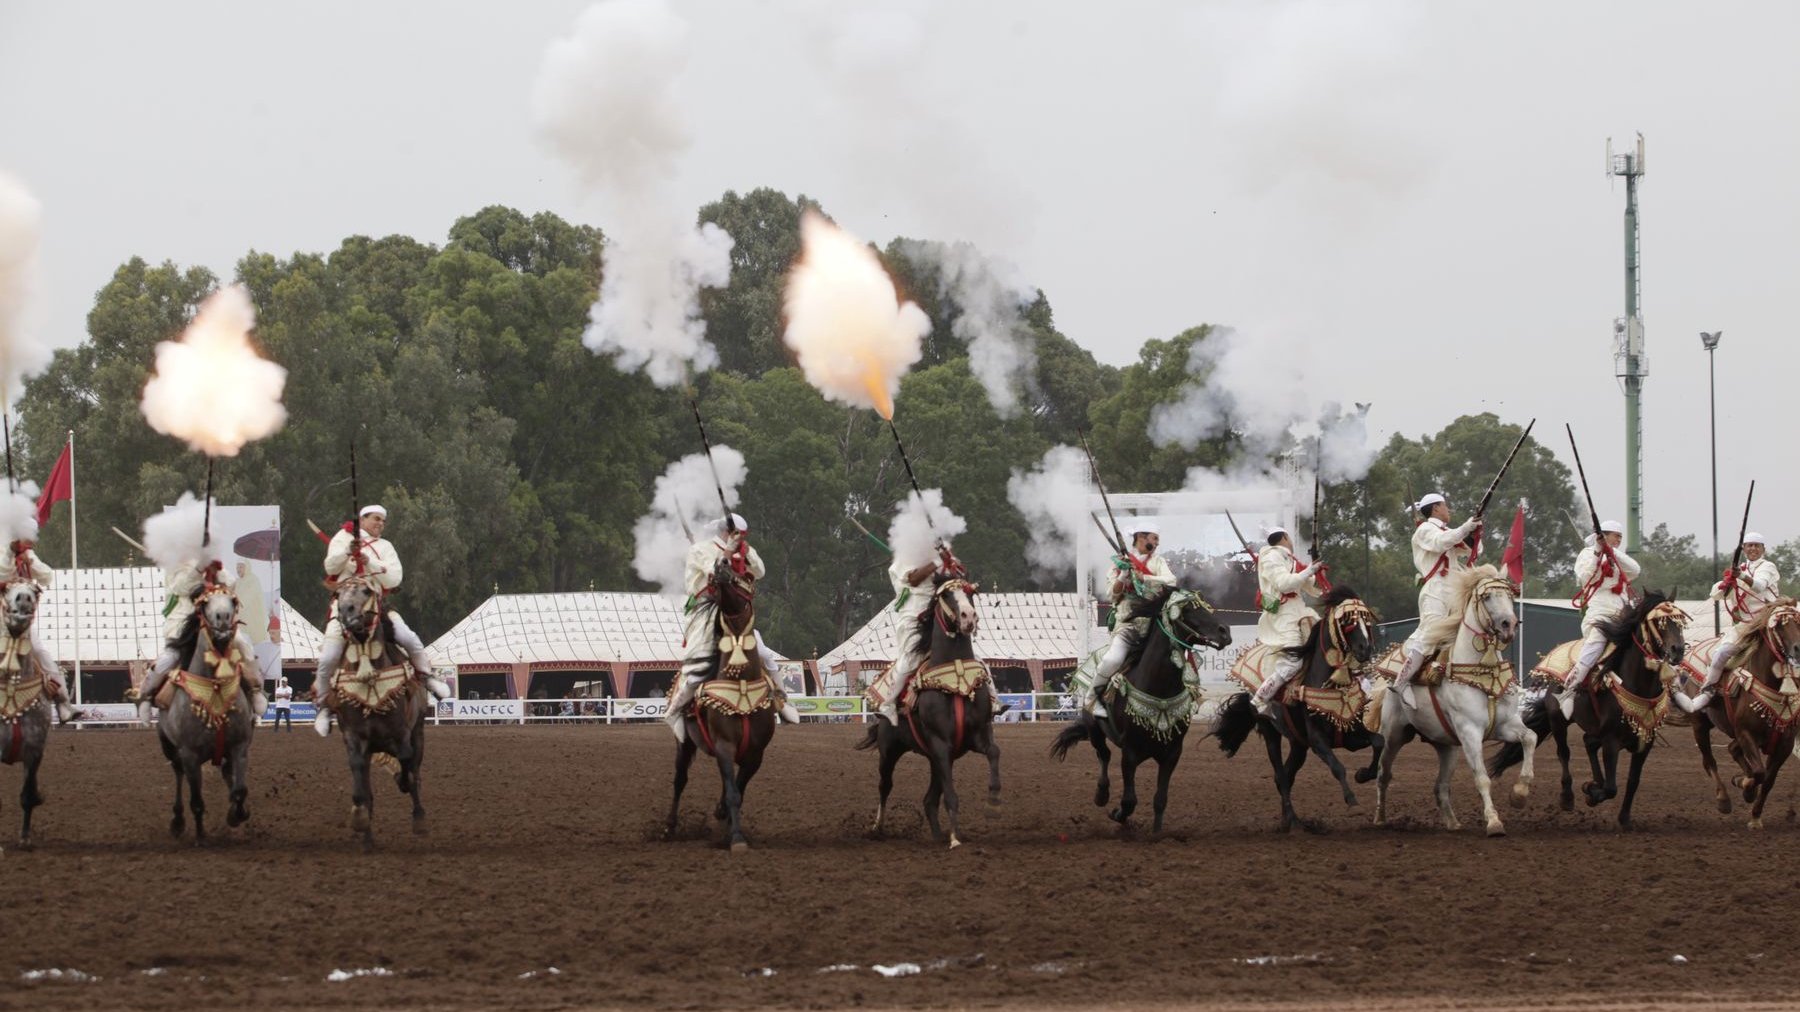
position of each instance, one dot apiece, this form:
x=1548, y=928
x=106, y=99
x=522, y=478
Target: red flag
x=1514, y=558
x=58, y=487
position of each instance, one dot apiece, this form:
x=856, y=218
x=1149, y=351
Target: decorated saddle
x=210, y=697
x=362, y=680
x=1341, y=701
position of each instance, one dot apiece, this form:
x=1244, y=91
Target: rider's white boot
x=890, y=712
x=322, y=723
x=259, y=703
x=143, y=712
x=788, y=713
x=676, y=718
x=437, y=687
x=1100, y=710
x=64, y=712
x=1694, y=704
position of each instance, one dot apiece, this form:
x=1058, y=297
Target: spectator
x=284, y=701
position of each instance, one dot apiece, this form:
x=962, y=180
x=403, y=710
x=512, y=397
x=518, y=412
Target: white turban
x=1612, y=527
x=1754, y=538
x=380, y=511
x=1431, y=499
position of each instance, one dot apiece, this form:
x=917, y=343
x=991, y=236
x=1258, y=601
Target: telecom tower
x=1631, y=365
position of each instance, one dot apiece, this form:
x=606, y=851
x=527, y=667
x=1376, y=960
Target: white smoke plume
x=854, y=338
x=605, y=103
x=918, y=526
x=18, y=515
x=172, y=538
x=1053, y=498
x=22, y=351
x=211, y=388
x=989, y=295
x=684, y=508
x=1260, y=390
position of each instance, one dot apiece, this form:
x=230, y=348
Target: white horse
x=1479, y=699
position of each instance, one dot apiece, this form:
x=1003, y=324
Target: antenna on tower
x=1632, y=364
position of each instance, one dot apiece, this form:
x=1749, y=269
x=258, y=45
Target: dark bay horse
x=1624, y=700
x=1151, y=704
x=1336, y=652
x=24, y=704
x=952, y=710
x=1757, y=704
x=380, y=706
x=208, y=717
x=733, y=714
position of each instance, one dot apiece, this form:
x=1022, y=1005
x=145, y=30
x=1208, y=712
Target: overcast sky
x=1413, y=195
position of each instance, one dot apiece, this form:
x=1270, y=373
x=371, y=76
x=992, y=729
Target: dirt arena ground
x=543, y=854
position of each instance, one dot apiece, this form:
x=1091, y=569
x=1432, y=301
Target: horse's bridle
x=211, y=591
x=371, y=605
x=1487, y=588
x=1652, y=632
x=1178, y=602
x=1784, y=615
x=1350, y=612
x=946, y=609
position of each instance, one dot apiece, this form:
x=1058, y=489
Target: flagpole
x=75, y=566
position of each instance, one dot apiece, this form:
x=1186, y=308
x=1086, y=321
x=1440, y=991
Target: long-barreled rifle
x=1105, y=500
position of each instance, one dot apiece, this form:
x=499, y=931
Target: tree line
x=513, y=459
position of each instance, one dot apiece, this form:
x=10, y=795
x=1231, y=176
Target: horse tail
x=1078, y=731
x=1237, y=718
x=871, y=738
x=1536, y=716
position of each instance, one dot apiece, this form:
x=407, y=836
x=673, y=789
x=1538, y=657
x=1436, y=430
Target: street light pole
x=1711, y=343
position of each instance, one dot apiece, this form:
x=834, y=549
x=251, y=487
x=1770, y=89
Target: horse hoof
x=1102, y=794
x=25, y=844
x=1495, y=828
x=994, y=799
x=1724, y=805
x=176, y=828
x=1566, y=802
x=234, y=820
x=359, y=819
x=1755, y=823
x=739, y=846
x=954, y=842
x=1364, y=776
x=420, y=828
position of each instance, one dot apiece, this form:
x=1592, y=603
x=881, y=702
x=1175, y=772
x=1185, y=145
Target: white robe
x=380, y=562
x=702, y=620
x=1278, y=578
x=1607, y=597
x=1127, y=604
x=1758, y=586
x=1433, y=542
x=911, y=602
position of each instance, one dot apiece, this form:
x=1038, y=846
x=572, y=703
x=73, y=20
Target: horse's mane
x=1335, y=596
x=1761, y=621
x=1619, y=628
x=1462, y=587
x=187, y=640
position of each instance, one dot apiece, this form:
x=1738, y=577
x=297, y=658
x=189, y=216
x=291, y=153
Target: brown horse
x=1624, y=701
x=24, y=706
x=733, y=713
x=380, y=706
x=1758, y=706
x=1324, y=712
x=951, y=712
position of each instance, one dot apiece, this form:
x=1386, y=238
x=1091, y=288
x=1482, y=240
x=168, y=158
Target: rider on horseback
x=912, y=598
x=365, y=553
x=1605, y=573
x=1282, y=587
x=1439, y=553
x=1747, y=591
x=185, y=584
x=729, y=548
x=27, y=566
x=1139, y=576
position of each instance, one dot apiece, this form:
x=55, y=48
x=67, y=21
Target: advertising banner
x=639, y=709
x=487, y=709
x=827, y=706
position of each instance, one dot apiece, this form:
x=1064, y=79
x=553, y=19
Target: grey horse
x=23, y=734
x=189, y=738
x=389, y=716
